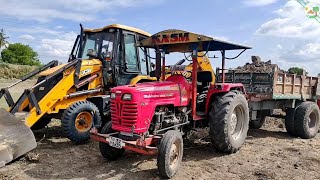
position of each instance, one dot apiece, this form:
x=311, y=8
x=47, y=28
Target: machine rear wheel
x=307, y=120
x=78, y=119
x=229, y=121
x=106, y=150
x=170, y=154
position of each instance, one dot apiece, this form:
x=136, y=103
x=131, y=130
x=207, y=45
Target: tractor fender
x=184, y=88
x=222, y=88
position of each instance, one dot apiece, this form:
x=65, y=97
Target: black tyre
x=258, y=123
x=78, y=119
x=170, y=154
x=106, y=150
x=307, y=120
x=289, y=122
x=229, y=121
x=41, y=123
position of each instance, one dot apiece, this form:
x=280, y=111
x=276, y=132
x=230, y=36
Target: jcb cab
x=151, y=118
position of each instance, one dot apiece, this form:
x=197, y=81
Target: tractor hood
x=175, y=90
x=147, y=87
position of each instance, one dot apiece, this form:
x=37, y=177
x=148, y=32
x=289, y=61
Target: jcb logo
x=171, y=38
x=86, y=71
x=186, y=74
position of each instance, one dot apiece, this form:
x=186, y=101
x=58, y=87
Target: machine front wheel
x=229, y=121
x=106, y=150
x=170, y=154
x=78, y=119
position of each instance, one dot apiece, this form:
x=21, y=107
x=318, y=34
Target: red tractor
x=152, y=118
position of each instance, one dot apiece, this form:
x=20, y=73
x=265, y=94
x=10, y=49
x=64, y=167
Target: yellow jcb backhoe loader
x=76, y=92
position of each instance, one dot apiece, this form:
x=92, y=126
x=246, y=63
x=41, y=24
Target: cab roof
x=174, y=40
x=119, y=26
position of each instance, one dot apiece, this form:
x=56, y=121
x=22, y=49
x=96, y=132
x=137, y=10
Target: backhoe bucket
x=16, y=139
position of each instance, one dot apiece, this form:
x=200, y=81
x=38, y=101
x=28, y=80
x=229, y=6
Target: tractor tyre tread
x=218, y=121
x=301, y=120
x=164, y=153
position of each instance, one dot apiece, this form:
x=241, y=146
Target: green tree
x=296, y=70
x=3, y=39
x=18, y=53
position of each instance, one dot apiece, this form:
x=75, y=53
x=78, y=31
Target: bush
x=296, y=70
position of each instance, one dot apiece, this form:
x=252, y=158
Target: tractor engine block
x=166, y=116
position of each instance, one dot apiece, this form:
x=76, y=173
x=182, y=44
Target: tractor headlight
x=127, y=97
x=113, y=95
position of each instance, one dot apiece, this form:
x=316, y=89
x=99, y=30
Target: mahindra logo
x=170, y=38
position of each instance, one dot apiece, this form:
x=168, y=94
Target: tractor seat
x=204, y=79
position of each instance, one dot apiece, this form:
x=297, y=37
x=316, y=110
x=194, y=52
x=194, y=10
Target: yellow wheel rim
x=83, y=121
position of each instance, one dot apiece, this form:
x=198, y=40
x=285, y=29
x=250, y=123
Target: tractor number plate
x=115, y=142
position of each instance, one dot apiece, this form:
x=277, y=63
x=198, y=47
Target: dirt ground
x=269, y=153
x=15, y=91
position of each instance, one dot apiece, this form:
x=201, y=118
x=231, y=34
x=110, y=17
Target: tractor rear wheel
x=106, y=150
x=307, y=119
x=229, y=121
x=170, y=154
x=78, y=119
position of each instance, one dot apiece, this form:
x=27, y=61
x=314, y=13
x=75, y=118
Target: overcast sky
x=276, y=29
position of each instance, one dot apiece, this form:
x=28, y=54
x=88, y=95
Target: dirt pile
x=258, y=66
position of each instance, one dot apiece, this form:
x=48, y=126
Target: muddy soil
x=269, y=153
x=258, y=66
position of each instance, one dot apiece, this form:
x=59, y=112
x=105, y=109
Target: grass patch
x=10, y=71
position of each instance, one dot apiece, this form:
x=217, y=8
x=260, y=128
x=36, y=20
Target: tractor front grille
x=124, y=114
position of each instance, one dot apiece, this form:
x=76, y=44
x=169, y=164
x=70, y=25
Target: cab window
x=92, y=43
x=143, y=61
x=131, y=53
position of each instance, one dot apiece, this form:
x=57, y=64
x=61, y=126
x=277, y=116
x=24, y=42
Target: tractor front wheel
x=106, y=150
x=78, y=119
x=170, y=154
x=229, y=121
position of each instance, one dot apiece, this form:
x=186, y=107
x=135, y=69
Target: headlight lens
x=127, y=97
x=113, y=95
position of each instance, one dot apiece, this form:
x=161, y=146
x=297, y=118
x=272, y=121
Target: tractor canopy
x=174, y=40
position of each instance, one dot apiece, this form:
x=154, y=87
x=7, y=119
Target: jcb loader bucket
x=16, y=138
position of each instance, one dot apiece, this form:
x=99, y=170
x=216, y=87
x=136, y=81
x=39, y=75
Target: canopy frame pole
x=223, y=65
x=194, y=80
